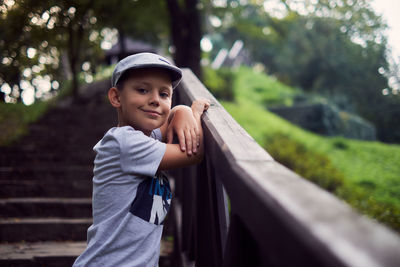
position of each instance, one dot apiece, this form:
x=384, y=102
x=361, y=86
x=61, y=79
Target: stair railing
x=239, y=207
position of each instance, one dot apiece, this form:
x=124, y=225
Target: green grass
x=15, y=118
x=365, y=174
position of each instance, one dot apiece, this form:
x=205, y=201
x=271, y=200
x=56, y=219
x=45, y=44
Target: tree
x=54, y=29
x=50, y=28
x=13, y=46
x=178, y=22
x=186, y=33
x=332, y=47
x=140, y=20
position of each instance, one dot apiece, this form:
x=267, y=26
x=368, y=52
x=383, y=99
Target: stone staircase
x=46, y=183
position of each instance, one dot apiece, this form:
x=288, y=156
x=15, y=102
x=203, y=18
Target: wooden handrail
x=276, y=217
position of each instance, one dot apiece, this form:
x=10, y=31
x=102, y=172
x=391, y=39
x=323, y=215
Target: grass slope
x=15, y=118
x=365, y=174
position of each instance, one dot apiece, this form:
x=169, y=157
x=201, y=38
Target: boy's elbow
x=175, y=158
x=199, y=158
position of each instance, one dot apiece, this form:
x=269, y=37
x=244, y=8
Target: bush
x=309, y=164
x=220, y=83
x=318, y=168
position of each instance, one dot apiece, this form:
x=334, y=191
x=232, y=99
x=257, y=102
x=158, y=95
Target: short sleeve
x=156, y=134
x=140, y=154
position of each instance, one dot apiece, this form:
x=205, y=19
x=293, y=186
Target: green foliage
x=134, y=18
x=219, y=82
x=262, y=89
x=319, y=169
x=310, y=164
x=334, y=50
x=268, y=92
x=340, y=143
x=365, y=174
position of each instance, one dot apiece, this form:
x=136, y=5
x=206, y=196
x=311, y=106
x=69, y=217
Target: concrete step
x=60, y=254
x=18, y=157
x=46, y=188
x=40, y=254
x=40, y=152
x=46, y=170
x=53, y=142
x=46, y=207
x=43, y=229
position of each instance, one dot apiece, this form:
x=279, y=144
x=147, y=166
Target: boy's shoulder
x=118, y=131
x=128, y=131
x=127, y=140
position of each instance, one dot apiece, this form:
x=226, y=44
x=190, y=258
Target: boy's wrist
x=178, y=109
x=197, y=115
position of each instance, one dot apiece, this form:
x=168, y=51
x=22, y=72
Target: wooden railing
x=239, y=207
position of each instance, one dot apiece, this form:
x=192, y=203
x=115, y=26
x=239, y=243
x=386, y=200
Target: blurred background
x=317, y=80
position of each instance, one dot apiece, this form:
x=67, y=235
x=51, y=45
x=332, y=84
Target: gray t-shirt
x=130, y=201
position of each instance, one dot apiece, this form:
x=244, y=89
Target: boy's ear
x=113, y=97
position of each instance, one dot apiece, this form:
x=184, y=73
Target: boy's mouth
x=152, y=112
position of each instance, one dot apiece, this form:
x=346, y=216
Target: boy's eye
x=164, y=94
x=141, y=90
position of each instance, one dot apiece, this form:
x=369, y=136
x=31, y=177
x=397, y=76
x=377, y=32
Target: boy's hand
x=186, y=123
x=185, y=126
x=199, y=106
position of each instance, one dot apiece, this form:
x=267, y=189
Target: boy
x=130, y=197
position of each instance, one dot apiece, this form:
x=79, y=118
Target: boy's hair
x=125, y=67
x=127, y=74
x=123, y=78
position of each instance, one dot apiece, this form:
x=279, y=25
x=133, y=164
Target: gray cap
x=146, y=60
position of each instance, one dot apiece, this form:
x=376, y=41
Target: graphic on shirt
x=152, y=201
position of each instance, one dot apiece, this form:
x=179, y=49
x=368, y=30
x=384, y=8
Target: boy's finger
x=170, y=135
x=182, y=142
x=194, y=141
x=197, y=132
x=188, y=138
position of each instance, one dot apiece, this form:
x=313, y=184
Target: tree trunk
x=122, y=47
x=76, y=34
x=73, y=61
x=186, y=34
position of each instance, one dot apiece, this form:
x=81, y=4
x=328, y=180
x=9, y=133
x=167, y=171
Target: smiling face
x=144, y=101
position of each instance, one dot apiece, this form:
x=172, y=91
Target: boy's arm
x=174, y=157
x=182, y=122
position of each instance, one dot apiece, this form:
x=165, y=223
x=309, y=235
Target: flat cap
x=146, y=60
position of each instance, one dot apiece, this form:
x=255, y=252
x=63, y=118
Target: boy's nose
x=154, y=98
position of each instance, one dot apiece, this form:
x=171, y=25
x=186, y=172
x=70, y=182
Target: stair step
x=50, y=188
x=33, y=148
x=40, y=254
x=46, y=207
x=60, y=254
x=46, y=170
x=43, y=229
x=17, y=158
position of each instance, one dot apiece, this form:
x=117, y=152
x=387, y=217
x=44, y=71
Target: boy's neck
x=148, y=133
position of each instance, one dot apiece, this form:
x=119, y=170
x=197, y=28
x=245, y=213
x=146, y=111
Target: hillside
x=363, y=173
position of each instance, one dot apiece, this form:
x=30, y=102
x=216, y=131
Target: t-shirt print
x=152, y=200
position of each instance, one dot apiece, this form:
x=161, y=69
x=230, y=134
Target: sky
x=390, y=10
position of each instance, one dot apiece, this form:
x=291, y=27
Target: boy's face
x=145, y=100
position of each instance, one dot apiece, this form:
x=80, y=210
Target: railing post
x=209, y=244
x=241, y=249
x=203, y=203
